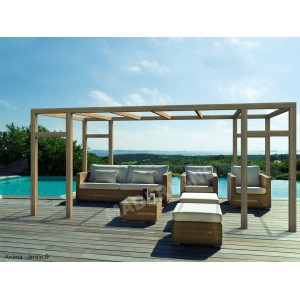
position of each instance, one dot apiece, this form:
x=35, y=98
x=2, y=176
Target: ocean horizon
x=104, y=153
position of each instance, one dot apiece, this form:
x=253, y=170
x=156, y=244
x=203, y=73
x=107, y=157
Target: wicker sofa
x=126, y=183
x=258, y=189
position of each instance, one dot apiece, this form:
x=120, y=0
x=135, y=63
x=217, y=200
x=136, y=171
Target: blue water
x=279, y=188
x=47, y=186
x=56, y=186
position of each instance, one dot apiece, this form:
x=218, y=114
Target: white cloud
x=145, y=96
x=243, y=43
x=248, y=90
x=7, y=104
x=148, y=97
x=134, y=69
x=154, y=67
x=135, y=99
x=102, y=99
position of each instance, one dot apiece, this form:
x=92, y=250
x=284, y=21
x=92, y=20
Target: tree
x=15, y=145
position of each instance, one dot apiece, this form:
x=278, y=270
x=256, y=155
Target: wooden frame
x=127, y=113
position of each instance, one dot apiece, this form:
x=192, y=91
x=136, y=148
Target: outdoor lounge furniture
x=197, y=223
x=258, y=189
x=138, y=209
x=209, y=198
x=113, y=183
x=199, y=179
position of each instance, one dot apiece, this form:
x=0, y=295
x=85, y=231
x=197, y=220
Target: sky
x=82, y=72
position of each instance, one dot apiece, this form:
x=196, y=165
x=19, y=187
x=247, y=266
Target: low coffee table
x=137, y=209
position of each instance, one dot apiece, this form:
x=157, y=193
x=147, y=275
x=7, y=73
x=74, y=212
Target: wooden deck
x=96, y=233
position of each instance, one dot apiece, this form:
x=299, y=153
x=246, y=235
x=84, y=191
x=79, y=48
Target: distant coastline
x=104, y=153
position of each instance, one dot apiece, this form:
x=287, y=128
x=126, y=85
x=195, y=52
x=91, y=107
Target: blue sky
x=70, y=72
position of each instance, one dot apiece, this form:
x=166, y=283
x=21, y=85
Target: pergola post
x=234, y=140
x=292, y=171
x=69, y=165
x=111, y=142
x=84, y=146
x=268, y=147
x=244, y=159
x=34, y=165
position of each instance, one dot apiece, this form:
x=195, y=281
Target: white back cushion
x=109, y=176
x=199, y=168
x=121, y=169
x=159, y=171
x=199, y=178
x=252, y=174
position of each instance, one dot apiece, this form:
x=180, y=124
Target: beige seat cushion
x=199, y=189
x=140, y=187
x=197, y=212
x=99, y=186
x=199, y=198
x=252, y=190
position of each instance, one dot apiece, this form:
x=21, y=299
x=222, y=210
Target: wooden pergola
x=159, y=113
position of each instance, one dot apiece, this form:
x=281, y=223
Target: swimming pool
x=56, y=186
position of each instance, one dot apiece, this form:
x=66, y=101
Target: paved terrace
x=96, y=233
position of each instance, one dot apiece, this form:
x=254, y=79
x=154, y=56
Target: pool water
x=47, y=186
x=56, y=186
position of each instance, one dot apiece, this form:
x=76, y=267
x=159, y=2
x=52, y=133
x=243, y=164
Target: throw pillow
x=109, y=176
x=143, y=177
x=199, y=178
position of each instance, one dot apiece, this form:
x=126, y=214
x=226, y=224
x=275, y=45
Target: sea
x=104, y=153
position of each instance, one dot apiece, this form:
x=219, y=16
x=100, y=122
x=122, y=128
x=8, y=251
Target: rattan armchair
x=210, y=184
x=258, y=195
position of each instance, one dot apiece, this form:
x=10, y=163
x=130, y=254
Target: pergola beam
x=277, y=112
x=163, y=114
x=96, y=135
x=50, y=134
x=244, y=162
x=268, y=147
x=34, y=165
x=262, y=134
x=292, y=170
x=69, y=166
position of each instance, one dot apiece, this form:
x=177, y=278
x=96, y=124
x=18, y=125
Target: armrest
x=182, y=182
x=231, y=186
x=215, y=183
x=167, y=186
x=81, y=177
x=231, y=177
x=265, y=181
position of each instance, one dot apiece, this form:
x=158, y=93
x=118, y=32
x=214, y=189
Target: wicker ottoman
x=199, y=198
x=197, y=223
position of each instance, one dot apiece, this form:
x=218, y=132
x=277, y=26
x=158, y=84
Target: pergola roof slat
x=96, y=116
x=199, y=114
x=127, y=115
x=163, y=114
